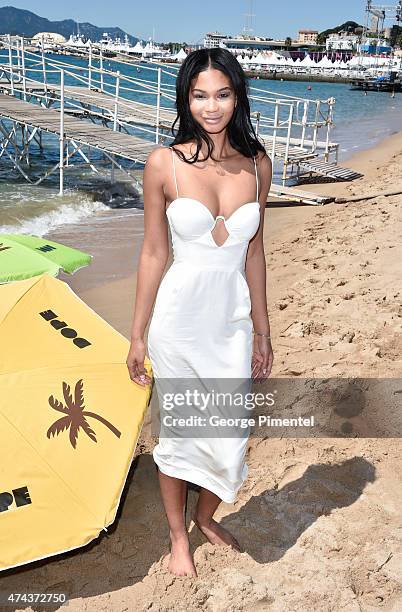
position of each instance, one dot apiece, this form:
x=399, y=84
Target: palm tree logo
x=75, y=415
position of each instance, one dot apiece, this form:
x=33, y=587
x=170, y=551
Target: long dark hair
x=241, y=134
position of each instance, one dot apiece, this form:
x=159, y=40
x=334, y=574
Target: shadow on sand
x=267, y=526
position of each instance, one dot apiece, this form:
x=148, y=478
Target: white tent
x=273, y=60
x=75, y=41
x=280, y=61
x=325, y=62
x=261, y=59
x=180, y=56
x=306, y=61
x=138, y=48
x=246, y=60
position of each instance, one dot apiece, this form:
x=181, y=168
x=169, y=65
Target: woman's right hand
x=135, y=363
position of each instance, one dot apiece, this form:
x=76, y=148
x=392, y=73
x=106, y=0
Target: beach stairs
x=330, y=169
x=307, y=159
x=294, y=194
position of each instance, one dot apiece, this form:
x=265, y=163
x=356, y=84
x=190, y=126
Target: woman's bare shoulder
x=263, y=157
x=264, y=162
x=159, y=155
x=157, y=158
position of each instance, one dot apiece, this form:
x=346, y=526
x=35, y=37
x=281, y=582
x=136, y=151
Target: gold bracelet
x=260, y=334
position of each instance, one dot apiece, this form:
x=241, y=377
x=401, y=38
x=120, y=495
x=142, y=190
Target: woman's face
x=212, y=100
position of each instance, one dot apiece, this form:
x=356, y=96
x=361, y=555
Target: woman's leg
x=173, y=491
x=202, y=517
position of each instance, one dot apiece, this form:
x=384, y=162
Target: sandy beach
x=319, y=519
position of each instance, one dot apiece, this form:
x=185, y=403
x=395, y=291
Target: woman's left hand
x=263, y=357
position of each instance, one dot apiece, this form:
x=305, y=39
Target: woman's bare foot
x=215, y=533
x=179, y=560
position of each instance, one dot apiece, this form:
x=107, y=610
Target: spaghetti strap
x=256, y=177
x=174, y=171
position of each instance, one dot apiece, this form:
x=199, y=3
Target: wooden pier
x=73, y=135
x=94, y=103
x=93, y=135
x=98, y=113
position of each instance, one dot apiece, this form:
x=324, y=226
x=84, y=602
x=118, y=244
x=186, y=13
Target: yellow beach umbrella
x=70, y=418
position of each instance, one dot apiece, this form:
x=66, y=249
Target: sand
x=319, y=519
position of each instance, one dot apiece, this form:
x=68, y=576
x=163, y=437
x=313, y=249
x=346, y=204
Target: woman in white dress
x=210, y=314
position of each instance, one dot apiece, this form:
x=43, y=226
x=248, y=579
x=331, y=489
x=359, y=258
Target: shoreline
x=267, y=74
x=271, y=75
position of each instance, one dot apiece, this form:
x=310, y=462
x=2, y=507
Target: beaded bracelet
x=260, y=334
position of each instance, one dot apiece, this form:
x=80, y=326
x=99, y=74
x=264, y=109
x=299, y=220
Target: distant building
x=49, y=38
x=243, y=42
x=240, y=42
x=308, y=36
x=217, y=39
x=254, y=43
x=214, y=39
x=342, y=41
x=374, y=46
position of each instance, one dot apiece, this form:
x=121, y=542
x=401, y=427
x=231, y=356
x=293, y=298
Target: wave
x=49, y=220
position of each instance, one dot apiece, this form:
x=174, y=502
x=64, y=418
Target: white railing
x=280, y=119
x=110, y=102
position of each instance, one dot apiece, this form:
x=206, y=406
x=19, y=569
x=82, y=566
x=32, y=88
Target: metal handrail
x=290, y=114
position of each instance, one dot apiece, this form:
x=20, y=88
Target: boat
x=388, y=81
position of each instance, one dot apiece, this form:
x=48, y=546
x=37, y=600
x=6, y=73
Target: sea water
x=359, y=122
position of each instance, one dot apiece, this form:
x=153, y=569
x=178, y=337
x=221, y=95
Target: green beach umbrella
x=23, y=256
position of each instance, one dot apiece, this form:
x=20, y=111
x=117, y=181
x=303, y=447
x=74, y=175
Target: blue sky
x=188, y=21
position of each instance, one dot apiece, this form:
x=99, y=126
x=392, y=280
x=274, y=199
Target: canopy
x=23, y=256
x=70, y=418
x=306, y=61
x=262, y=59
x=325, y=62
x=138, y=48
x=181, y=55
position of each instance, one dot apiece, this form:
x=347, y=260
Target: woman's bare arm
x=155, y=248
x=255, y=263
